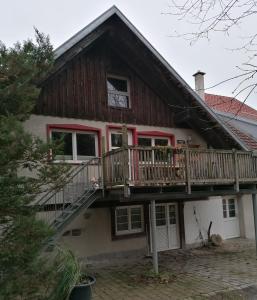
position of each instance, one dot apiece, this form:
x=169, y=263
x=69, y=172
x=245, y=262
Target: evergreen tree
x=24, y=172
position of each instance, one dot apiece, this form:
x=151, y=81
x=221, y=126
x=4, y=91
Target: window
x=116, y=140
x=129, y=219
x=229, y=208
x=75, y=146
x=172, y=214
x=151, y=141
x=160, y=213
x=157, y=154
x=118, y=92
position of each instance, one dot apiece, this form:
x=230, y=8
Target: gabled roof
x=247, y=139
x=75, y=41
x=228, y=106
x=231, y=106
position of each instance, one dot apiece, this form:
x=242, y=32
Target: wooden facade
x=80, y=91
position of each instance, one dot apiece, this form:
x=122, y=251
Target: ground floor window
x=75, y=145
x=229, y=208
x=129, y=219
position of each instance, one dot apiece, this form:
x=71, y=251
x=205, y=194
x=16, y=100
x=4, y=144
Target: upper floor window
x=118, y=91
x=153, y=141
x=76, y=146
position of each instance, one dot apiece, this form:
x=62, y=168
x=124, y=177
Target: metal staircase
x=60, y=206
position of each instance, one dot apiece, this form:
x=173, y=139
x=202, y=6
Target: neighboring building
x=108, y=75
x=237, y=116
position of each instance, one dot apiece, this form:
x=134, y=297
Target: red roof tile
x=235, y=107
x=231, y=105
x=248, y=140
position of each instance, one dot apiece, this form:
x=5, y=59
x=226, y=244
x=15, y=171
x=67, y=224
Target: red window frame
x=111, y=127
x=76, y=127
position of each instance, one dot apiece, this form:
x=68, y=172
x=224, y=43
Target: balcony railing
x=156, y=166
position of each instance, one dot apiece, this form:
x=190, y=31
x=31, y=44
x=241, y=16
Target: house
x=136, y=134
x=238, y=116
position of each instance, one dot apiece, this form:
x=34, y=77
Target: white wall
x=96, y=238
x=206, y=211
x=37, y=126
x=247, y=216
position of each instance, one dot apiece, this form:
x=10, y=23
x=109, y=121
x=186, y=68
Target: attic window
x=118, y=91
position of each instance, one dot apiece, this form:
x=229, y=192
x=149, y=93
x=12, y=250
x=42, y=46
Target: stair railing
x=83, y=181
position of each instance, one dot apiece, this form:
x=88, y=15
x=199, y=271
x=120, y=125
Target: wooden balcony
x=167, y=166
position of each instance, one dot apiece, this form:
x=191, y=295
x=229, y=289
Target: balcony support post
x=254, y=199
x=181, y=220
x=187, y=165
x=103, y=165
x=125, y=161
x=236, y=170
x=154, y=246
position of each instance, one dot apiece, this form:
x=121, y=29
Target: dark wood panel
x=79, y=91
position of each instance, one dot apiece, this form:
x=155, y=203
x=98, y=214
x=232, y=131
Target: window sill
x=70, y=162
x=128, y=236
x=120, y=108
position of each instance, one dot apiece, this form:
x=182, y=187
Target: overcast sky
x=62, y=19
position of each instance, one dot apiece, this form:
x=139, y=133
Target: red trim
x=76, y=127
x=110, y=127
x=158, y=134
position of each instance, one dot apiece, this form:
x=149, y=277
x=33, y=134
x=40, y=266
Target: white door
x=230, y=217
x=167, y=234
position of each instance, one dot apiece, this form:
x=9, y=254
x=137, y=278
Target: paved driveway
x=229, y=272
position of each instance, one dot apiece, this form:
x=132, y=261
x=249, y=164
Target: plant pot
x=83, y=291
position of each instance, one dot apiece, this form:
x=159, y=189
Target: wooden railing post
x=103, y=165
x=236, y=170
x=187, y=167
x=125, y=160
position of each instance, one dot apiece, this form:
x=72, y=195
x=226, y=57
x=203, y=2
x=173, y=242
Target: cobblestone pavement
x=228, y=272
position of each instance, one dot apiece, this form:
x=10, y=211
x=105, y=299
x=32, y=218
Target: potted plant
x=83, y=289
x=70, y=282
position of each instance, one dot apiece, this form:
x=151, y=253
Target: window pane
x=172, y=214
x=161, y=142
x=118, y=100
x=160, y=215
x=231, y=208
x=114, y=84
x=64, y=143
x=85, y=145
x=122, y=219
x=116, y=139
x=136, y=218
x=122, y=227
x=147, y=142
x=136, y=225
x=121, y=212
x=224, y=206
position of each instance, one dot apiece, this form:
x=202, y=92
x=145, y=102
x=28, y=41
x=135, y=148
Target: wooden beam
x=181, y=220
x=154, y=238
x=254, y=200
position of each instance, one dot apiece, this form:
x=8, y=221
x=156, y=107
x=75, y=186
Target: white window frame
x=153, y=138
x=227, y=209
x=130, y=230
x=119, y=92
x=74, y=144
x=119, y=131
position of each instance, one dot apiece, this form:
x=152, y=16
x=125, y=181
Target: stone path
x=229, y=272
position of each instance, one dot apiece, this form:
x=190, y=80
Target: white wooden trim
x=130, y=230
